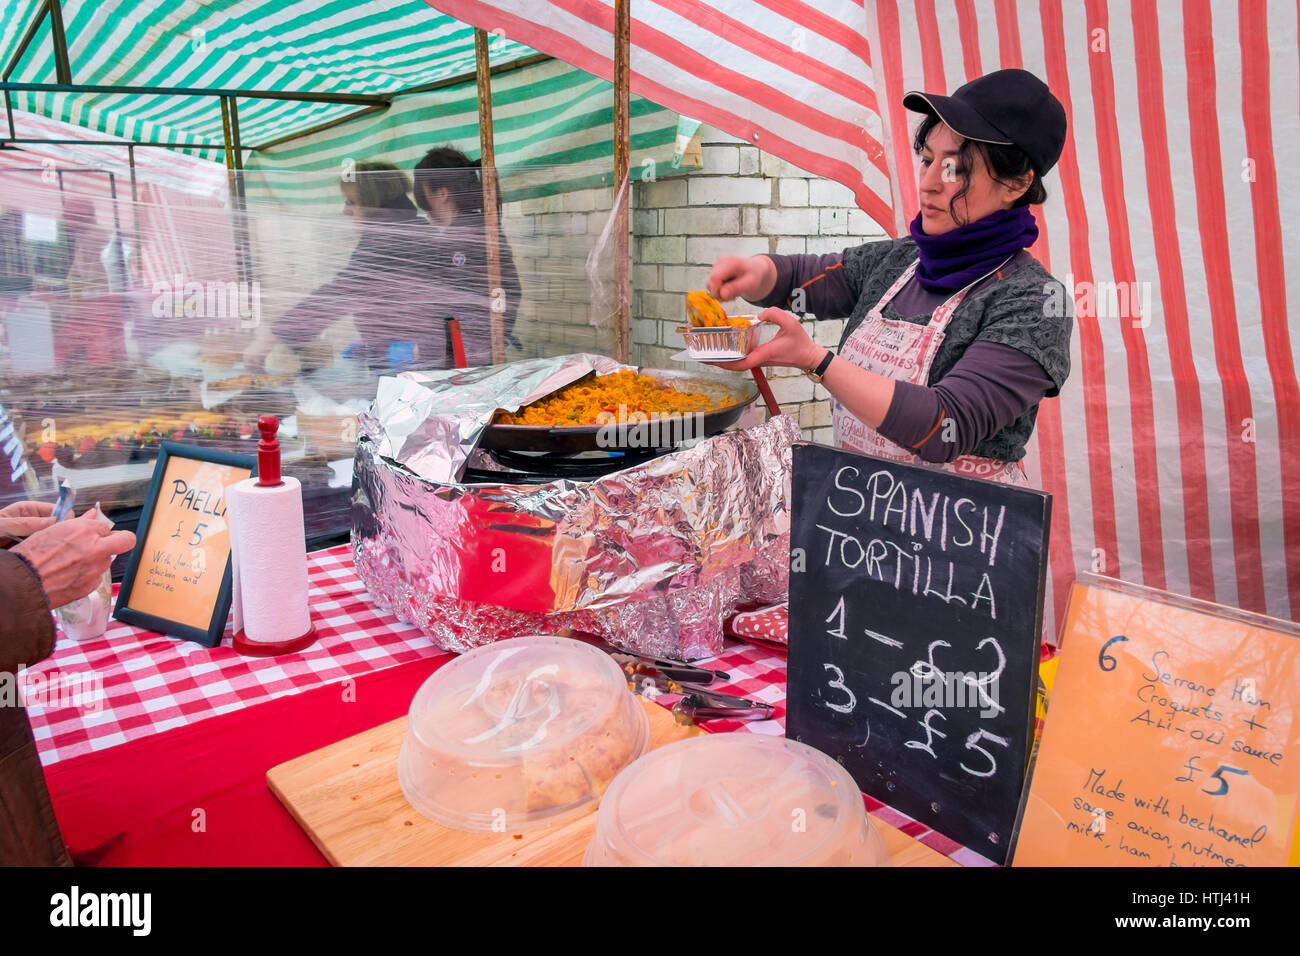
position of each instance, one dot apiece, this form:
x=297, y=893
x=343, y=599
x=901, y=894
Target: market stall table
x=190, y=732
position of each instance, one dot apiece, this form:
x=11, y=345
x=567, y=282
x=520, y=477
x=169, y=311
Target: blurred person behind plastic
x=91, y=328
x=383, y=286
x=449, y=190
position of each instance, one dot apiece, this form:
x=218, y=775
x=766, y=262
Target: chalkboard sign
x=177, y=579
x=1171, y=736
x=916, y=602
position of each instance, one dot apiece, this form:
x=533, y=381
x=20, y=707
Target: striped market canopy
x=552, y=127
x=547, y=112
x=1173, y=454
x=336, y=46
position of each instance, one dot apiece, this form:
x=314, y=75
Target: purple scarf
x=955, y=259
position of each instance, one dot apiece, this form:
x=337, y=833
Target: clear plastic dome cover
x=519, y=733
x=735, y=799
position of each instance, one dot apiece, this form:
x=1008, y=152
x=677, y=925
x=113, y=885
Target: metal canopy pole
x=357, y=99
x=622, y=185
x=241, y=197
x=62, y=66
x=19, y=51
x=491, y=220
x=137, y=259
x=22, y=141
x=28, y=36
x=239, y=222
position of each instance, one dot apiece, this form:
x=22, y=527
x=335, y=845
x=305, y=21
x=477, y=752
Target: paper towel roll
x=268, y=547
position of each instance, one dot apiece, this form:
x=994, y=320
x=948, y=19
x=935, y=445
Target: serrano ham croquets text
x=934, y=526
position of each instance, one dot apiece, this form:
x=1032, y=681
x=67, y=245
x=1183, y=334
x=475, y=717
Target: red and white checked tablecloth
x=132, y=683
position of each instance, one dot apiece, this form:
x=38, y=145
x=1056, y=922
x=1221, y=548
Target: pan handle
x=766, y=391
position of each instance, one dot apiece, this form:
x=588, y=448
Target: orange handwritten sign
x=1171, y=737
x=178, y=580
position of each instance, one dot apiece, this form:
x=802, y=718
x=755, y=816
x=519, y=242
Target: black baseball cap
x=1007, y=108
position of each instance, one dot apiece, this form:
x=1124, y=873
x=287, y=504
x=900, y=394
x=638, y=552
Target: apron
x=904, y=351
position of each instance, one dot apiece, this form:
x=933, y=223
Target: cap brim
x=963, y=120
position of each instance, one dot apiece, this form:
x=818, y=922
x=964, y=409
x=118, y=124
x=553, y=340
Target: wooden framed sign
x=1171, y=736
x=916, y=604
x=177, y=579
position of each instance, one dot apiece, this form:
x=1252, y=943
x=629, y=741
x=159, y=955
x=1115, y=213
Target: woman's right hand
x=737, y=277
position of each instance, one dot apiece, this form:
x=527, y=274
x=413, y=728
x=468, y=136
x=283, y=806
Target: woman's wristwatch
x=816, y=373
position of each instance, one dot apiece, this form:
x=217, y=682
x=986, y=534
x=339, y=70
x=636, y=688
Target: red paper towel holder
x=268, y=476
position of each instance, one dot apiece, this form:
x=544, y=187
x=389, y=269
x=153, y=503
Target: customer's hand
x=791, y=347
x=23, y=518
x=734, y=277
x=72, y=556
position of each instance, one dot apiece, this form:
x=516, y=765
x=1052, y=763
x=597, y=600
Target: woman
x=43, y=565
x=954, y=334
x=448, y=189
x=383, y=286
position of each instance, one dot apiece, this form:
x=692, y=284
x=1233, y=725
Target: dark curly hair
x=445, y=167
x=1006, y=164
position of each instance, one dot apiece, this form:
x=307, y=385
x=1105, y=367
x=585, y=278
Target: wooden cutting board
x=347, y=798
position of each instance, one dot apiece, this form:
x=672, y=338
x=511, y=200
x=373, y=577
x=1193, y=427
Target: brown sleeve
x=27, y=629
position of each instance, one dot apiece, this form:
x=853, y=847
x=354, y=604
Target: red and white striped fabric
x=179, y=217
x=790, y=76
x=1173, y=454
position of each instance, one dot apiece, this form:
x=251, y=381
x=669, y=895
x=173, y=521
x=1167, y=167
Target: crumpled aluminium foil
x=431, y=421
x=652, y=558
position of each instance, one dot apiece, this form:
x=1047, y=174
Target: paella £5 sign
x=916, y=601
x=177, y=580
x=1171, y=736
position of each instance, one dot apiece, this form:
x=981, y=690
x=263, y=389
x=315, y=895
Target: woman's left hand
x=790, y=348
x=22, y=519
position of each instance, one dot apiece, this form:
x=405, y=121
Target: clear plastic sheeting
x=652, y=558
x=132, y=313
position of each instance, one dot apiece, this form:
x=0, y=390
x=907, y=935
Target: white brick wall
x=742, y=201
x=702, y=221
x=779, y=221
x=729, y=190
x=706, y=250
x=720, y=160
x=550, y=238
x=792, y=192
x=827, y=192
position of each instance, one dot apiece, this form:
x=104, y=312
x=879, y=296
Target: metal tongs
x=676, y=671
x=708, y=705
x=652, y=676
x=698, y=703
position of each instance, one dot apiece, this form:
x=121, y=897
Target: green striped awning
x=546, y=113
x=552, y=126
x=314, y=46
